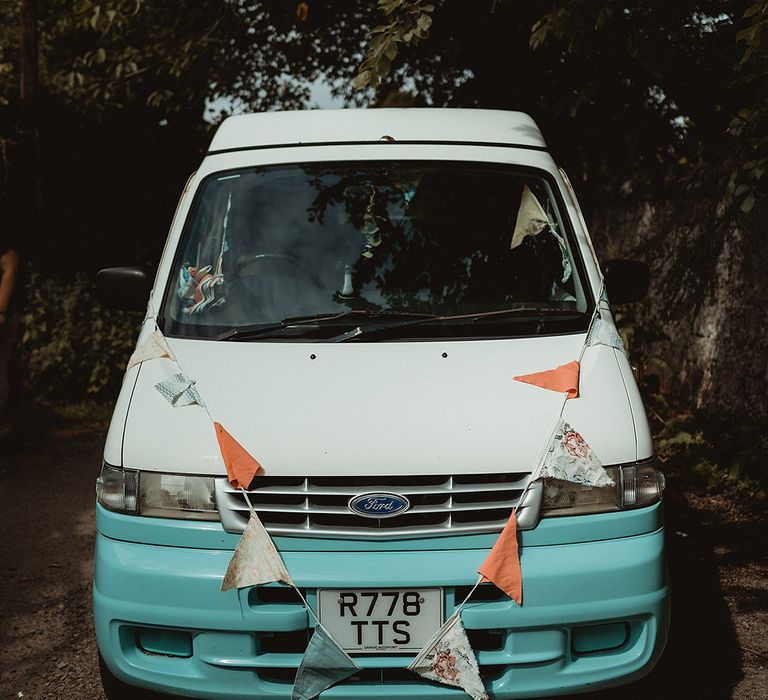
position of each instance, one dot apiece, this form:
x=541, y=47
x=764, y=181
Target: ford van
x=351, y=294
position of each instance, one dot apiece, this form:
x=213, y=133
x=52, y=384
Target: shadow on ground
x=704, y=657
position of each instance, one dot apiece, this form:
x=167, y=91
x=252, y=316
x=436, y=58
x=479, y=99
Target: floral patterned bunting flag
x=154, y=347
x=324, y=664
x=448, y=658
x=256, y=559
x=570, y=458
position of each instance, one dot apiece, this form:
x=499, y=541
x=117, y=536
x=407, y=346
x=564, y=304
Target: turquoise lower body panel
x=594, y=615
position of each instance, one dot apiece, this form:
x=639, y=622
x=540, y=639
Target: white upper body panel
x=272, y=129
x=375, y=408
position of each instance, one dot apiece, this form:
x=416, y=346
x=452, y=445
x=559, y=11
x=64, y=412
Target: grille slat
x=441, y=505
x=416, y=510
x=443, y=488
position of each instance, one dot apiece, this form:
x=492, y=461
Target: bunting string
x=257, y=561
x=448, y=657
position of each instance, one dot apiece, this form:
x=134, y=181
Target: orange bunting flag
x=502, y=565
x=241, y=467
x=564, y=379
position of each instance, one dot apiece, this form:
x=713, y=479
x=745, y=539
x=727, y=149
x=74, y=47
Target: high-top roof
x=371, y=125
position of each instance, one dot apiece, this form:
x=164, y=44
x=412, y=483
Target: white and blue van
x=352, y=293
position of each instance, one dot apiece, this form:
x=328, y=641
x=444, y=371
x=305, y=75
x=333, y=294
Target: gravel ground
x=718, y=555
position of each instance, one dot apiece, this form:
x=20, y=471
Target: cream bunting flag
x=448, y=658
x=154, y=347
x=531, y=218
x=256, y=559
x=180, y=390
x=570, y=458
x=324, y=664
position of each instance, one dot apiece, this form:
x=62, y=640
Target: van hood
x=374, y=408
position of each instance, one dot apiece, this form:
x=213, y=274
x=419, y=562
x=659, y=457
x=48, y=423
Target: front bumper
x=613, y=592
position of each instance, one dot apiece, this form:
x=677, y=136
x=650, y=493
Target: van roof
x=429, y=125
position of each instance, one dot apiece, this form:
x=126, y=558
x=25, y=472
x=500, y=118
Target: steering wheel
x=256, y=259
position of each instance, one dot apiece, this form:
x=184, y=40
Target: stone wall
x=703, y=331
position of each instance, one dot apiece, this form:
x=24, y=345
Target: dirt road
x=718, y=560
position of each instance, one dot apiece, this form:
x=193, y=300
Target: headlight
x=156, y=495
x=635, y=485
x=118, y=489
x=177, y=496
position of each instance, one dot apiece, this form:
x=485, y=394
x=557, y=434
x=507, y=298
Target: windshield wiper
x=248, y=332
x=525, y=311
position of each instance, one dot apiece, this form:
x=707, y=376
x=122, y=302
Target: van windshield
x=339, y=244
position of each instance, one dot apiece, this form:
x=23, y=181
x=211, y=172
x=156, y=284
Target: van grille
x=440, y=505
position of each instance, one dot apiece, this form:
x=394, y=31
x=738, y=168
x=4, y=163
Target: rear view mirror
x=626, y=281
x=124, y=288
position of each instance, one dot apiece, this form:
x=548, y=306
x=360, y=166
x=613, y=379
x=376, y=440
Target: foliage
x=750, y=125
x=70, y=346
x=409, y=23
x=629, y=79
x=722, y=454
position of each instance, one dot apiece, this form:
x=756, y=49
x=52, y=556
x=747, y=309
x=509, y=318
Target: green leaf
x=362, y=80
x=759, y=7
x=95, y=16
x=748, y=203
x=389, y=6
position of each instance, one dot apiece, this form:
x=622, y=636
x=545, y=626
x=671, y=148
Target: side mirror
x=626, y=281
x=124, y=288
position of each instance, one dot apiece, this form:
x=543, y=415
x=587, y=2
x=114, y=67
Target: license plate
x=382, y=620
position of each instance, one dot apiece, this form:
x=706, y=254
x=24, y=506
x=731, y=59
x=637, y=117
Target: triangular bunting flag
x=564, y=379
x=448, y=658
x=570, y=458
x=256, y=560
x=179, y=390
x=531, y=218
x=324, y=664
x=502, y=565
x=241, y=467
x=155, y=346
x=603, y=333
